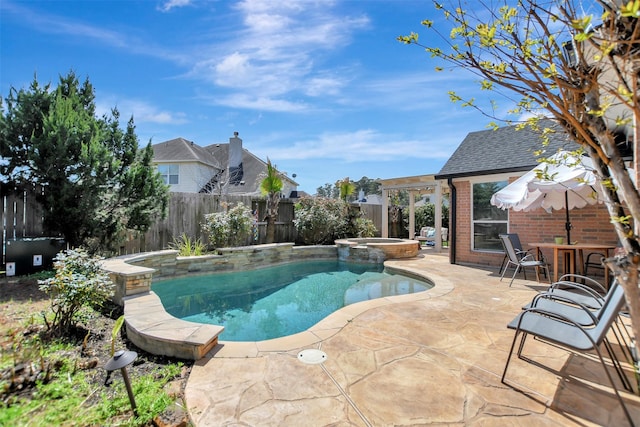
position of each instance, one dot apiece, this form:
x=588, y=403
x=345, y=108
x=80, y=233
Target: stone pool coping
x=150, y=327
x=437, y=361
x=154, y=330
x=376, y=249
x=337, y=320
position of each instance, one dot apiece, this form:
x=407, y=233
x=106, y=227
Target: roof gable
x=505, y=149
x=181, y=150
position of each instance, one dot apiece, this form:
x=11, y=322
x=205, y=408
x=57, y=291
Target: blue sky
x=322, y=88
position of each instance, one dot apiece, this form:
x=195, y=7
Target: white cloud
x=56, y=24
x=277, y=52
x=232, y=70
x=266, y=52
x=260, y=103
x=129, y=40
x=322, y=86
x=141, y=111
x=170, y=4
x=267, y=23
x=364, y=145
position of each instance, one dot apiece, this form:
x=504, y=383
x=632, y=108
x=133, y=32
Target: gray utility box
x=30, y=255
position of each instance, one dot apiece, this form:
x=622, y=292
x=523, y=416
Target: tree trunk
x=271, y=229
x=626, y=272
x=624, y=268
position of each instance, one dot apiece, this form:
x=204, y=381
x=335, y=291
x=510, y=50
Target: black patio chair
x=595, y=260
x=520, y=259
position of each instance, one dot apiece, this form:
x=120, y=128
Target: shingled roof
x=181, y=150
x=502, y=150
x=254, y=168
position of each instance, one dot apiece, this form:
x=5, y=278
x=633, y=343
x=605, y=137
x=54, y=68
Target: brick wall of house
x=590, y=224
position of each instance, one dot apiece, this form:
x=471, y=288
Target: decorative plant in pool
x=230, y=228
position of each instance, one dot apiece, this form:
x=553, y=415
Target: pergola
x=421, y=184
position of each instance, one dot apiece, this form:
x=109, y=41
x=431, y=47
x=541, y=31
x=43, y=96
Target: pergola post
x=412, y=215
x=414, y=185
x=385, y=212
x=438, y=216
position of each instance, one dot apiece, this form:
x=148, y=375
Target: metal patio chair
x=517, y=245
x=520, y=261
x=553, y=328
x=566, y=303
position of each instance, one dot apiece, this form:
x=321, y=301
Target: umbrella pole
x=567, y=224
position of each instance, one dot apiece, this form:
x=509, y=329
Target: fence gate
x=20, y=216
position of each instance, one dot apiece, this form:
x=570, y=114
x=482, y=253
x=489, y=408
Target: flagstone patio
x=433, y=358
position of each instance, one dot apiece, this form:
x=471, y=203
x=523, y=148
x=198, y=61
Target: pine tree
x=95, y=181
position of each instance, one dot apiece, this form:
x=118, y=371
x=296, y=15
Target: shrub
x=319, y=220
x=186, y=246
x=231, y=228
x=425, y=216
x=79, y=282
x=364, y=227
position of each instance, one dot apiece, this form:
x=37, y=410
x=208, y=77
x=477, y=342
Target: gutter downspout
x=452, y=222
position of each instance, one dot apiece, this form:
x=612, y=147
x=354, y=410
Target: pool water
x=278, y=301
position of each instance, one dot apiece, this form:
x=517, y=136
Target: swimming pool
x=278, y=301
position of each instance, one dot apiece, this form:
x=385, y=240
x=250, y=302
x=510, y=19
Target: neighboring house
x=485, y=162
x=224, y=168
x=185, y=166
x=370, y=199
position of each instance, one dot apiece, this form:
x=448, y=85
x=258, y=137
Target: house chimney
x=235, y=160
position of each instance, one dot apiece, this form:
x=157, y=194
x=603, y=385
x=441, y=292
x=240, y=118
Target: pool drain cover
x=312, y=356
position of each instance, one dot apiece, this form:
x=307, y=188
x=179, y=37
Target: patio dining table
x=570, y=250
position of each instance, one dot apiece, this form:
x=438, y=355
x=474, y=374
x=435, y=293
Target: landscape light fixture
x=120, y=360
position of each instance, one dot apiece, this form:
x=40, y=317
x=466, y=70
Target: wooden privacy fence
x=374, y=213
x=21, y=217
x=186, y=216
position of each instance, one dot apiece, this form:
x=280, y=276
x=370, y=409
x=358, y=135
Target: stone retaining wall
x=154, y=330
x=133, y=274
x=376, y=250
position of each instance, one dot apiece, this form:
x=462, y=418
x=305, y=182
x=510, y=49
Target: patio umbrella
x=572, y=185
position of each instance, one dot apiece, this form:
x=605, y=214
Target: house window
x=488, y=221
x=169, y=173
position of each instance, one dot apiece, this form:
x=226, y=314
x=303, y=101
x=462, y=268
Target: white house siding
x=192, y=177
x=287, y=188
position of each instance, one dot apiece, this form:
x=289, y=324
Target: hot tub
x=376, y=249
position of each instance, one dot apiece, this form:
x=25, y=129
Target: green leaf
x=453, y=97
x=631, y=9
x=114, y=333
